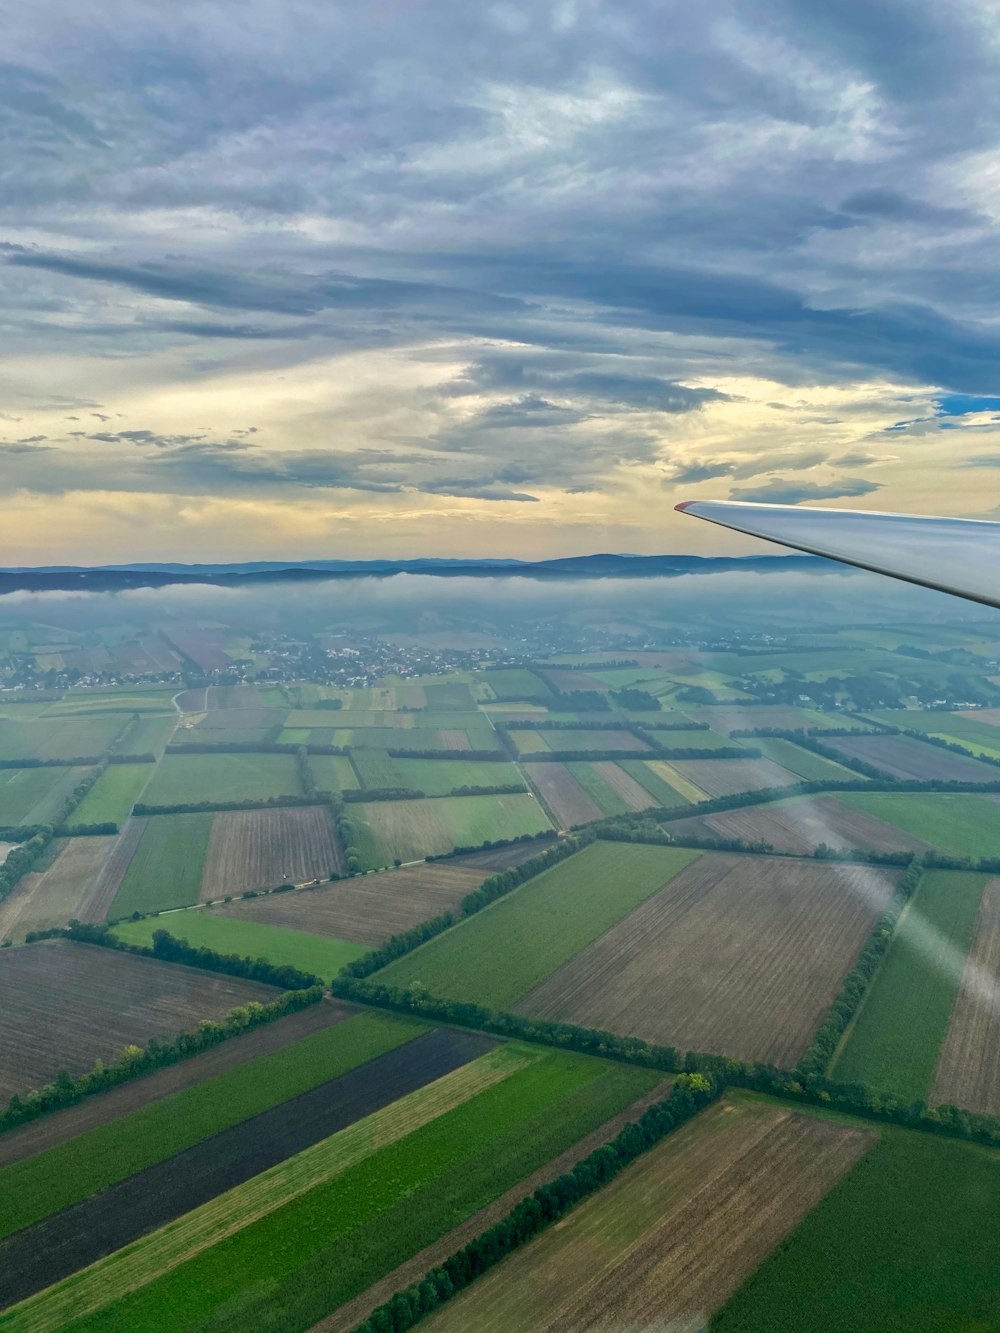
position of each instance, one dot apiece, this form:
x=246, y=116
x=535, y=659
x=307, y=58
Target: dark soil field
x=368, y=908
x=259, y=849
x=738, y=955
x=65, y=1005
x=801, y=825
x=502, y=858
x=904, y=758
x=59, y=1126
x=562, y=794
x=43, y=1254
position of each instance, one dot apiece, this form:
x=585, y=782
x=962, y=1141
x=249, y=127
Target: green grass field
x=55, y=1179
x=183, y=779
x=332, y=1220
x=68, y=738
x=496, y=956
x=333, y=772
x=322, y=956
x=962, y=824
x=434, y=777
x=112, y=796
x=166, y=868
x=894, y=1044
x=599, y=791
x=35, y=795
x=652, y=782
x=803, y=763
x=411, y=830
x=149, y=735
x=905, y=1243
x=516, y=683
x=963, y=729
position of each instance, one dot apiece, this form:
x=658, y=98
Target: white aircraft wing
x=956, y=555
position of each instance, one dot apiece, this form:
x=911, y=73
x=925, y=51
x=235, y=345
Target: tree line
x=546, y=1205
x=170, y=949
x=66, y=1090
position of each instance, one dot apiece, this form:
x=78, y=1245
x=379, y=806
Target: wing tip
x=683, y=506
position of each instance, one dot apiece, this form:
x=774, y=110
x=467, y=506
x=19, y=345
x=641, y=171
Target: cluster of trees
x=52, y=763
x=235, y=747
x=107, y=829
x=65, y=1090
x=327, y=705
x=640, y=701
x=21, y=859
x=955, y=748
x=857, y=981
x=690, y=1093
x=357, y=794
x=545, y=724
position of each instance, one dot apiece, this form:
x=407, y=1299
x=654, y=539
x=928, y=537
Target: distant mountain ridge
x=112, y=578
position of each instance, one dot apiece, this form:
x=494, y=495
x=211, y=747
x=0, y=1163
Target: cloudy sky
x=298, y=278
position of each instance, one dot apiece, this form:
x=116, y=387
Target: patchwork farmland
x=70, y=888
x=902, y=757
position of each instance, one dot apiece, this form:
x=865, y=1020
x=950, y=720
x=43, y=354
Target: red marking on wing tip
x=684, y=504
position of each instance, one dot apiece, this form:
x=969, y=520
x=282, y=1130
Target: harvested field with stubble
x=69, y=888
x=673, y=1236
x=368, y=908
x=731, y=777
x=66, y=1005
x=259, y=849
x=906, y=759
x=562, y=794
x=737, y=955
x=800, y=825
x=968, y=1071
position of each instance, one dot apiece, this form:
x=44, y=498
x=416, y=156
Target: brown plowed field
x=65, y=1005
x=60, y=1126
x=737, y=955
x=69, y=1241
x=452, y=739
x=727, y=718
x=259, y=849
x=730, y=777
x=801, y=825
x=907, y=759
x=673, y=1236
x=368, y=908
x=968, y=1072
x=563, y=795
x=109, y=881
x=634, y=796
x=411, y=1272
x=57, y=895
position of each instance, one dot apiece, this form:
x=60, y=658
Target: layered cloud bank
x=511, y=279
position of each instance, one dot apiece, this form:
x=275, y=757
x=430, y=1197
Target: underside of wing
x=960, y=556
